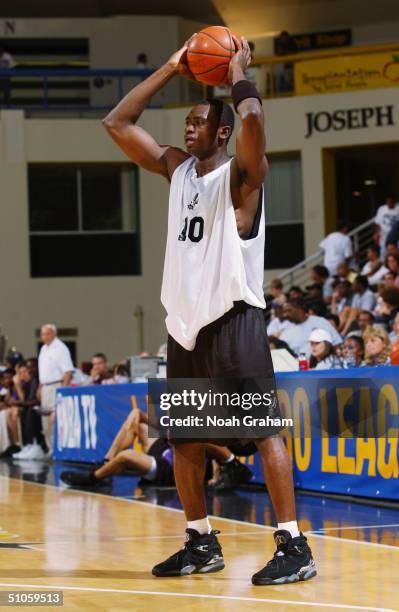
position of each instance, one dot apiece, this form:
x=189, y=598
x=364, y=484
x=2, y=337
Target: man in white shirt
x=55, y=368
x=386, y=217
x=302, y=324
x=337, y=248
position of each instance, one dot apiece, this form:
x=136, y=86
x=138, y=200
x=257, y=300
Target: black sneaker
x=80, y=479
x=232, y=474
x=10, y=451
x=291, y=562
x=201, y=554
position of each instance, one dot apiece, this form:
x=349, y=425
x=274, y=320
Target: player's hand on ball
x=242, y=57
x=178, y=61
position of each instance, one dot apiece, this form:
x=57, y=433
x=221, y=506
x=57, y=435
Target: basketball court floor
x=99, y=547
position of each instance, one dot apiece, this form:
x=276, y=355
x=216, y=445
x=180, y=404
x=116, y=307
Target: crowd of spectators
x=348, y=314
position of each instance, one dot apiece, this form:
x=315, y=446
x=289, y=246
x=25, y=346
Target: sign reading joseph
x=349, y=119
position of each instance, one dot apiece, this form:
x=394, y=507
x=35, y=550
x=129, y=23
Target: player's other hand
x=242, y=56
x=178, y=61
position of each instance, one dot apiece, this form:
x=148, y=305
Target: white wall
x=101, y=308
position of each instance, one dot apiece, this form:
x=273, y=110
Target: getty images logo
x=76, y=421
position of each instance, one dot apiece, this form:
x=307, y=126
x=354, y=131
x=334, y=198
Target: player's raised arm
x=138, y=144
x=251, y=142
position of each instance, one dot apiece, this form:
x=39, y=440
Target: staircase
x=362, y=237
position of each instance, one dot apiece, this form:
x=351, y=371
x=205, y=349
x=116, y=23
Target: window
x=83, y=220
x=284, y=212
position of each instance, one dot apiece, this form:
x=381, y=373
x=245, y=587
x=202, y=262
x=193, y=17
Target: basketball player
x=213, y=291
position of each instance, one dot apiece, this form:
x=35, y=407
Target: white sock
x=202, y=525
x=151, y=475
x=291, y=526
x=231, y=458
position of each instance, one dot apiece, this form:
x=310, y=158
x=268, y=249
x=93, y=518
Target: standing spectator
x=377, y=347
x=386, y=217
x=374, y=268
x=55, y=371
x=100, y=370
x=6, y=62
x=337, y=248
x=302, y=324
x=323, y=355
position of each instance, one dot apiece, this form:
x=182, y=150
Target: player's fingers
x=237, y=42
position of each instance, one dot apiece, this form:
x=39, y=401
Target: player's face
x=200, y=133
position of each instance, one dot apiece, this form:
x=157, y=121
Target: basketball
x=209, y=54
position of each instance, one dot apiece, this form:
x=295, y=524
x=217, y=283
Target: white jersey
x=207, y=265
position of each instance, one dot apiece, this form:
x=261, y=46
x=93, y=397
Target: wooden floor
x=99, y=551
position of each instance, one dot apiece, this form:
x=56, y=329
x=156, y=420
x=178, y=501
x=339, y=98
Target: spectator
x=321, y=275
x=302, y=324
x=55, y=371
x=277, y=293
x=142, y=61
x=285, y=45
x=295, y=293
x=278, y=324
x=390, y=305
x=314, y=292
x=323, y=355
x=34, y=443
x=395, y=341
x=342, y=298
x=392, y=249
x=345, y=273
x=363, y=299
x=365, y=319
x=392, y=263
x=317, y=307
x=6, y=62
x=374, y=268
x=386, y=217
x=100, y=371
x=334, y=320
x=353, y=351
x=337, y=248
x=377, y=347
x=388, y=281
x=8, y=392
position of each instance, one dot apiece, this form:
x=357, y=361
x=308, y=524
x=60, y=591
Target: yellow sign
x=346, y=73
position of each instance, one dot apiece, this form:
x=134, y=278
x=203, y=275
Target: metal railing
x=362, y=237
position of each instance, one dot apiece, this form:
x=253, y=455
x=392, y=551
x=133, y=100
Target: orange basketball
x=209, y=54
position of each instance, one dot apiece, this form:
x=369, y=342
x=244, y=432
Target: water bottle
x=303, y=362
x=351, y=360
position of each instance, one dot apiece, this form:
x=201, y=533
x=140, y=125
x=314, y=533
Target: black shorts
x=235, y=346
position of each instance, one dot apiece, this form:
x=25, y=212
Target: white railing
x=362, y=237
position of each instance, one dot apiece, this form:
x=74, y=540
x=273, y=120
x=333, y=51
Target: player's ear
x=224, y=133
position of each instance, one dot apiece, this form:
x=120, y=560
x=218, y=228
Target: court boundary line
x=200, y=596
x=211, y=516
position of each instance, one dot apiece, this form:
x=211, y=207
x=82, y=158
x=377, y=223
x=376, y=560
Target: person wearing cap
x=323, y=356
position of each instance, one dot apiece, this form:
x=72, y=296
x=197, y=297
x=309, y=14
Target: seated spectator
x=388, y=280
x=392, y=249
x=314, y=292
x=342, y=298
x=8, y=397
x=392, y=263
x=393, y=236
x=277, y=293
x=390, y=305
x=334, y=320
x=302, y=324
x=377, y=347
x=278, y=324
x=365, y=319
x=321, y=275
x=120, y=375
x=374, y=268
x=323, y=356
x=353, y=351
x=100, y=370
x=395, y=341
x=363, y=299
x=295, y=293
x=345, y=273
x=317, y=307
